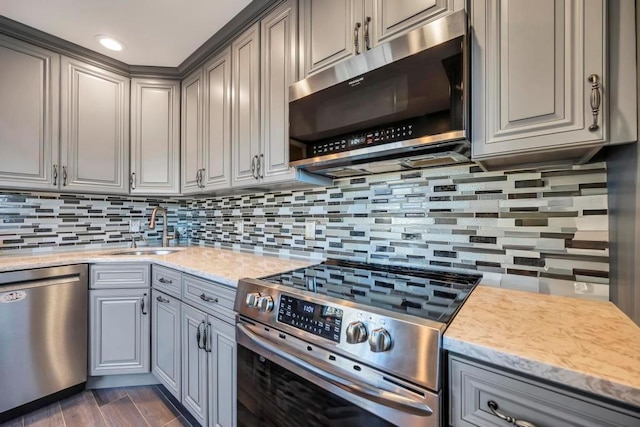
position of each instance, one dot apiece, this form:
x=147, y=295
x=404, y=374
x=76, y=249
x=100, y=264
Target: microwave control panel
x=359, y=140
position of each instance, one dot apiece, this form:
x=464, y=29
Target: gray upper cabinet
x=330, y=30
x=191, y=132
x=29, y=118
x=245, y=133
x=155, y=137
x=541, y=80
x=206, y=126
x=216, y=158
x=334, y=30
x=278, y=38
x=388, y=19
x=94, y=129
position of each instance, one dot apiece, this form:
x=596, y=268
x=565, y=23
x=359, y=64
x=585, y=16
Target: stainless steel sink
x=148, y=251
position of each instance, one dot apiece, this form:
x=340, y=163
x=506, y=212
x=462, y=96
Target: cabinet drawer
x=167, y=280
x=473, y=386
x=119, y=276
x=211, y=297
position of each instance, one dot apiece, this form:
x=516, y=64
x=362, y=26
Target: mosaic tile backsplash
x=541, y=231
x=47, y=221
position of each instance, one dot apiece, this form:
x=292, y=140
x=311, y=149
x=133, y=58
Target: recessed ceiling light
x=110, y=43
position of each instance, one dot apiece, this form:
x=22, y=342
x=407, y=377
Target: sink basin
x=148, y=251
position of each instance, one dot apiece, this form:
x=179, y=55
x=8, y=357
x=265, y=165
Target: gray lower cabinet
x=199, y=364
x=119, y=331
x=223, y=373
x=480, y=395
x=94, y=129
x=119, y=319
x=29, y=119
x=194, y=363
x=166, y=348
x=155, y=137
x=546, y=82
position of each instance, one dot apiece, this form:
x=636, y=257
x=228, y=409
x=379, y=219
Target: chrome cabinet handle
x=493, y=406
x=595, y=100
x=205, y=339
x=367, y=41
x=64, y=176
x=253, y=167
x=199, y=335
x=132, y=181
x=260, y=168
x=160, y=299
x=205, y=298
x=163, y=280
x=201, y=177
x=142, y=305
x=55, y=174
x=356, y=43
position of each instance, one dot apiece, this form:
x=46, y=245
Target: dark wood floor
x=118, y=407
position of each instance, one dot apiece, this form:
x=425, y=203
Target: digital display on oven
x=321, y=320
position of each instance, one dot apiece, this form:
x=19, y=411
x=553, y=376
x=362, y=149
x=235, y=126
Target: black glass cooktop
x=434, y=295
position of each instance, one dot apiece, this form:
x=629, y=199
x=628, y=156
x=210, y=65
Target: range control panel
x=321, y=320
x=371, y=137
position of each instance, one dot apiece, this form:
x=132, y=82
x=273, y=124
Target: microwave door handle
x=383, y=397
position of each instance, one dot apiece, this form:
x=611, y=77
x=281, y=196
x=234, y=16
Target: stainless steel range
x=344, y=344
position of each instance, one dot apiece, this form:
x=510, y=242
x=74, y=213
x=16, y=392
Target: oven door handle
x=383, y=397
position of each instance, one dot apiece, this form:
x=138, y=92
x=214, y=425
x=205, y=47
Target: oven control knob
x=356, y=333
x=379, y=340
x=265, y=304
x=252, y=300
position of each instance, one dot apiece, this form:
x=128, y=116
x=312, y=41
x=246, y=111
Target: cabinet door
x=388, y=19
x=165, y=342
x=194, y=363
x=279, y=45
x=530, y=63
x=155, y=137
x=94, y=129
x=245, y=134
x=217, y=122
x=29, y=140
x=191, y=132
x=331, y=31
x=223, y=373
x=119, y=331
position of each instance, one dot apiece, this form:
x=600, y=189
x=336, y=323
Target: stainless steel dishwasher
x=43, y=334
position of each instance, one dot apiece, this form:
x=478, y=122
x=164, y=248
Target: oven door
x=284, y=381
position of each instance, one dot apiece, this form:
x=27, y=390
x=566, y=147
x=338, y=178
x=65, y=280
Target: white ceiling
x=155, y=32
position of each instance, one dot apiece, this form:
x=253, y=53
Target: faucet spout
x=152, y=224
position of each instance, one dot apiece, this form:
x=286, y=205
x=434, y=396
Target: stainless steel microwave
x=401, y=105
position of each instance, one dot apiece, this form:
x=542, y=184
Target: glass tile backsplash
x=541, y=231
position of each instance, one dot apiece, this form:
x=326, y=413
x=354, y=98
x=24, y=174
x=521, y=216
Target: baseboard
x=129, y=380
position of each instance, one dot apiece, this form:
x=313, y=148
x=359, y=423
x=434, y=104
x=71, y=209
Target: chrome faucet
x=152, y=224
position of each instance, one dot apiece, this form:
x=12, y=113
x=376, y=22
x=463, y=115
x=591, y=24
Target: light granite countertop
x=221, y=265
x=588, y=345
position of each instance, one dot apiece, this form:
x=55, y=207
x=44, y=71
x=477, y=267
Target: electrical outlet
x=310, y=229
x=134, y=225
x=240, y=227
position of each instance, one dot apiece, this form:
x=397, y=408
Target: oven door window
x=270, y=395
